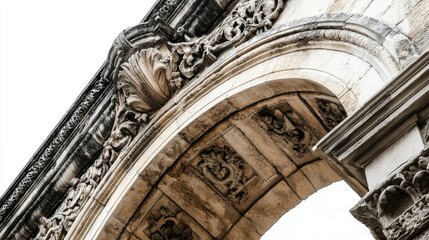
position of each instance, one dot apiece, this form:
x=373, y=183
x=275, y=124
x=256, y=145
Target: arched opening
x=231, y=153
x=326, y=213
x=228, y=169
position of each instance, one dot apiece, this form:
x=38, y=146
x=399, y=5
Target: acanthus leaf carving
x=126, y=127
x=400, y=206
x=247, y=19
x=146, y=78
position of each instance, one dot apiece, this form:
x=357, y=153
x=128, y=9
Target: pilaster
x=384, y=146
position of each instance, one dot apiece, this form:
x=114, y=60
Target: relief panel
x=230, y=174
x=160, y=218
x=289, y=131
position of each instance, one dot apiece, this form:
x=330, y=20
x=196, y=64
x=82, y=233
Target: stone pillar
x=383, y=149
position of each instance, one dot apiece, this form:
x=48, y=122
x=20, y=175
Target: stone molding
x=56, y=141
x=132, y=40
x=193, y=88
x=400, y=99
x=398, y=208
x=146, y=78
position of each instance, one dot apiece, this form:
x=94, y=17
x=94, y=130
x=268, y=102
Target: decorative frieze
x=281, y=121
x=38, y=164
x=246, y=20
x=398, y=209
x=126, y=128
x=147, y=74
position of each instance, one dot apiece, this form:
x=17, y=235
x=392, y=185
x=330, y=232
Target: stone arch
x=271, y=166
x=252, y=74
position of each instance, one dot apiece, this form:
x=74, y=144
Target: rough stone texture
x=271, y=207
x=388, y=140
x=214, y=125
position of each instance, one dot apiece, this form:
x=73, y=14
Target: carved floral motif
x=168, y=226
x=400, y=206
x=332, y=113
x=247, y=19
x=142, y=80
x=281, y=121
x=127, y=125
x=146, y=79
x=224, y=168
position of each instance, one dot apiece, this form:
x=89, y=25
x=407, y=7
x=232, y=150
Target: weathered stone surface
x=320, y=174
x=266, y=146
x=300, y=184
x=214, y=122
x=267, y=210
x=203, y=204
x=243, y=229
x=247, y=150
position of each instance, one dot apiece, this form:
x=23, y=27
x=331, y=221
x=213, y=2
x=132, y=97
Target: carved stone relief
x=47, y=155
x=399, y=208
x=161, y=218
x=146, y=78
x=225, y=169
x=168, y=226
x=332, y=112
x=247, y=19
x=281, y=121
x=143, y=88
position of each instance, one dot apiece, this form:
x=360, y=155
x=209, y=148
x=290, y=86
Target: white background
x=49, y=50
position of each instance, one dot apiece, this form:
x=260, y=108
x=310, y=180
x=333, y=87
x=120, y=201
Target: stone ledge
x=357, y=141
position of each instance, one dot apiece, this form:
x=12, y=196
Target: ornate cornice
x=46, y=154
x=148, y=71
x=398, y=208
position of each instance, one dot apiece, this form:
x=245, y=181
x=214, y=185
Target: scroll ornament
x=398, y=208
x=224, y=168
x=168, y=226
x=247, y=19
x=146, y=78
x=281, y=121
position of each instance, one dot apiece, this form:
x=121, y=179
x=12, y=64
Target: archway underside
x=238, y=178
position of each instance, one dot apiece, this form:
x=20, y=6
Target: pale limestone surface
x=400, y=151
x=231, y=152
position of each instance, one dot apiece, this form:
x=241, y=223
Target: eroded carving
x=399, y=208
x=168, y=226
x=143, y=79
x=56, y=227
x=39, y=163
x=281, y=121
x=146, y=78
x=165, y=9
x=247, y=19
x=225, y=169
x=332, y=113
